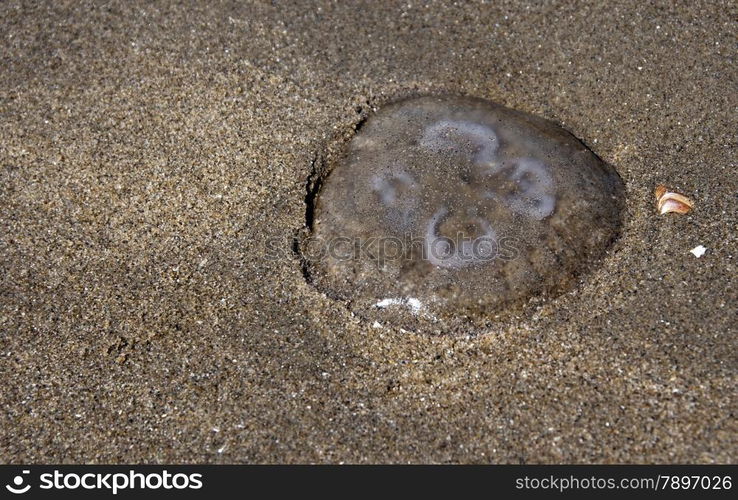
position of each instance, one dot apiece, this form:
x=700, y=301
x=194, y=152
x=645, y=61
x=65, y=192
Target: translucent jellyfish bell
x=488, y=206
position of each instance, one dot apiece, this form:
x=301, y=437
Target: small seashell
x=669, y=201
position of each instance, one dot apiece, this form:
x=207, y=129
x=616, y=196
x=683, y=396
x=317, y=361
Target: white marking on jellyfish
x=387, y=186
x=534, y=195
x=443, y=252
x=363, y=141
x=448, y=134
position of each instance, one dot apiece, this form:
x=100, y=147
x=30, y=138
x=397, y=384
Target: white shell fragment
x=698, y=251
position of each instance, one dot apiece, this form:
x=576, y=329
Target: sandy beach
x=149, y=151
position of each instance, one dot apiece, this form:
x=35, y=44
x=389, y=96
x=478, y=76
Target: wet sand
x=150, y=152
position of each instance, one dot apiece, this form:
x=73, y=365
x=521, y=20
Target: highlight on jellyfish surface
x=452, y=210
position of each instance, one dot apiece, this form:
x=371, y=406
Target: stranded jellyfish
x=452, y=210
